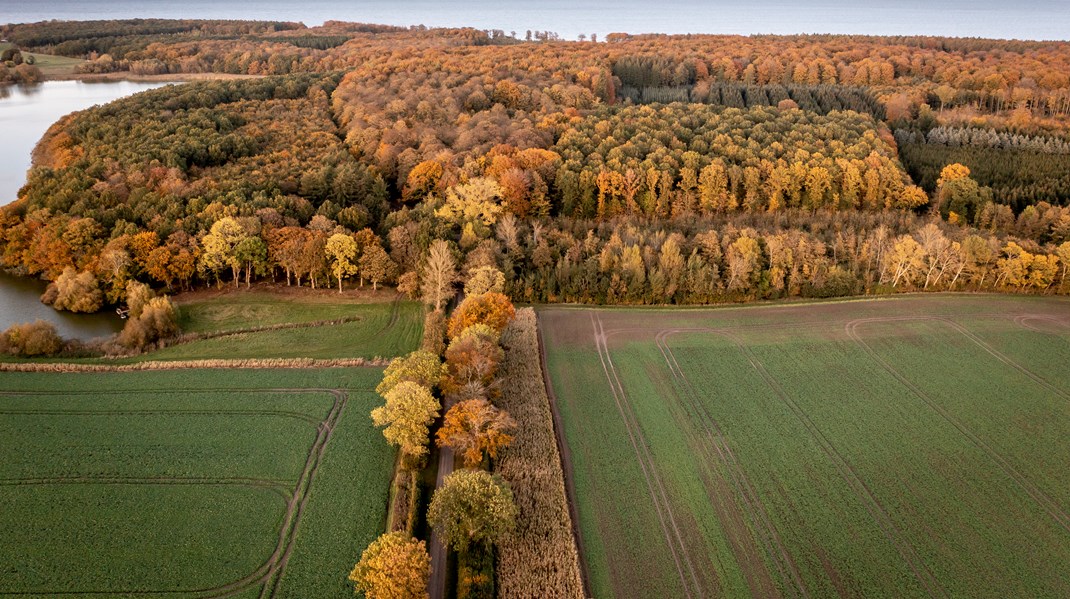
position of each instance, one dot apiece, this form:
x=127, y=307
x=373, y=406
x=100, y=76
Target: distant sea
x=1021, y=19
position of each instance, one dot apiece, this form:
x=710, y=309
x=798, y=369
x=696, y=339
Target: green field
x=232, y=325
x=906, y=447
x=189, y=483
x=378, y=329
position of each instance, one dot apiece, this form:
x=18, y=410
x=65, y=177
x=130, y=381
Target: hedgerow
x=540, y=558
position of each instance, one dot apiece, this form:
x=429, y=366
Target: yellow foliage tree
x=393, y=567
x=409, y=411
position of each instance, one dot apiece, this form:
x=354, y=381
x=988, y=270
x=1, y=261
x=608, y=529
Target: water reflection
x=20, y=302
x=26, y=112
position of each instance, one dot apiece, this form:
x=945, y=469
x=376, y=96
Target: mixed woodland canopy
x=642, y=169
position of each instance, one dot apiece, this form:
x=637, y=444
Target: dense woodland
x=641, y=169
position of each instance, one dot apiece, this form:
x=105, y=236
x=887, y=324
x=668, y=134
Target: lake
x=1024, y=19
x=26, y=112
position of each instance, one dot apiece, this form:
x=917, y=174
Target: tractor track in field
x=876, y=509
x=272, y=413
x=655, y=487
x=1038, y=496
x=393, y=320
x=269, y=574
x=744, y=488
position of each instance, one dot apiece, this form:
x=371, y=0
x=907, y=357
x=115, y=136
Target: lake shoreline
x=135, y=78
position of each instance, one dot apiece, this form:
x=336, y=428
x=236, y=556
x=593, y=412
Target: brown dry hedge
x=540, y=558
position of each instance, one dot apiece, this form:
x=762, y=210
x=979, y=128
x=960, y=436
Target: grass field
x=238, y=325
x=905, y=447
x=197, y=483
x=376, y=328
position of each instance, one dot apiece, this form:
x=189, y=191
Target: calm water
x=1023, y=19
x=25, y=114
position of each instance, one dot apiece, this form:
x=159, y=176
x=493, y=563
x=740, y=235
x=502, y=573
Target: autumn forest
x=636, y=169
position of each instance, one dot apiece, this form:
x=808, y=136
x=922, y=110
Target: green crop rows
x=205, y=482
x=899, y=448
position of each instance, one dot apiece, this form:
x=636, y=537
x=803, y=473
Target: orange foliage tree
x=475, y=427
x=492, y=309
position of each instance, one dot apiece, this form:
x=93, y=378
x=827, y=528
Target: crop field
x=194, y=483
x=901, y=447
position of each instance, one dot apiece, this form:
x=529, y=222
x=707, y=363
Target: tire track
x=1038, y=496
x=669, y=527
x=861, y=490
x=759, y=516
x=316, y=457
x=269, y=573
x=1023, y=321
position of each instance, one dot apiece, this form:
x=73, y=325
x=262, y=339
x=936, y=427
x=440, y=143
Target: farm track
x=744, y=488
x=269, y=574
x=1038, y=496
x=876, y=509
x=656, y=488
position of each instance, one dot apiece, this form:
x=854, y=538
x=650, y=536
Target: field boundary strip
x=744, y=488
x=681, y=557
x=273, y=413
x=1038, y=496
x=237, y=364
x=876, y=509
x=270, y=573
x=565, y=454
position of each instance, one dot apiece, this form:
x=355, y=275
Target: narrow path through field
x=1045, y=502
x=656, y=488
x=437, y=584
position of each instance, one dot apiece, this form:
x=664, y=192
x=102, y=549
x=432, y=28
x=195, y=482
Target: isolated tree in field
x=439, y=274
x=475, y=427
x=421, y=367
x=341, y=251
x=376, y=265
x=410, y=409
x=74, y=291
x=492, y=309
x=394, y=566
x=472, y=508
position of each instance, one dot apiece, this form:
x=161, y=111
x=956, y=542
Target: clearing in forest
x=191, y=483
x=901, y=447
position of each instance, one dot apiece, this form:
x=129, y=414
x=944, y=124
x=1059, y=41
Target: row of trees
x=473, y=509
x=790, y=254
